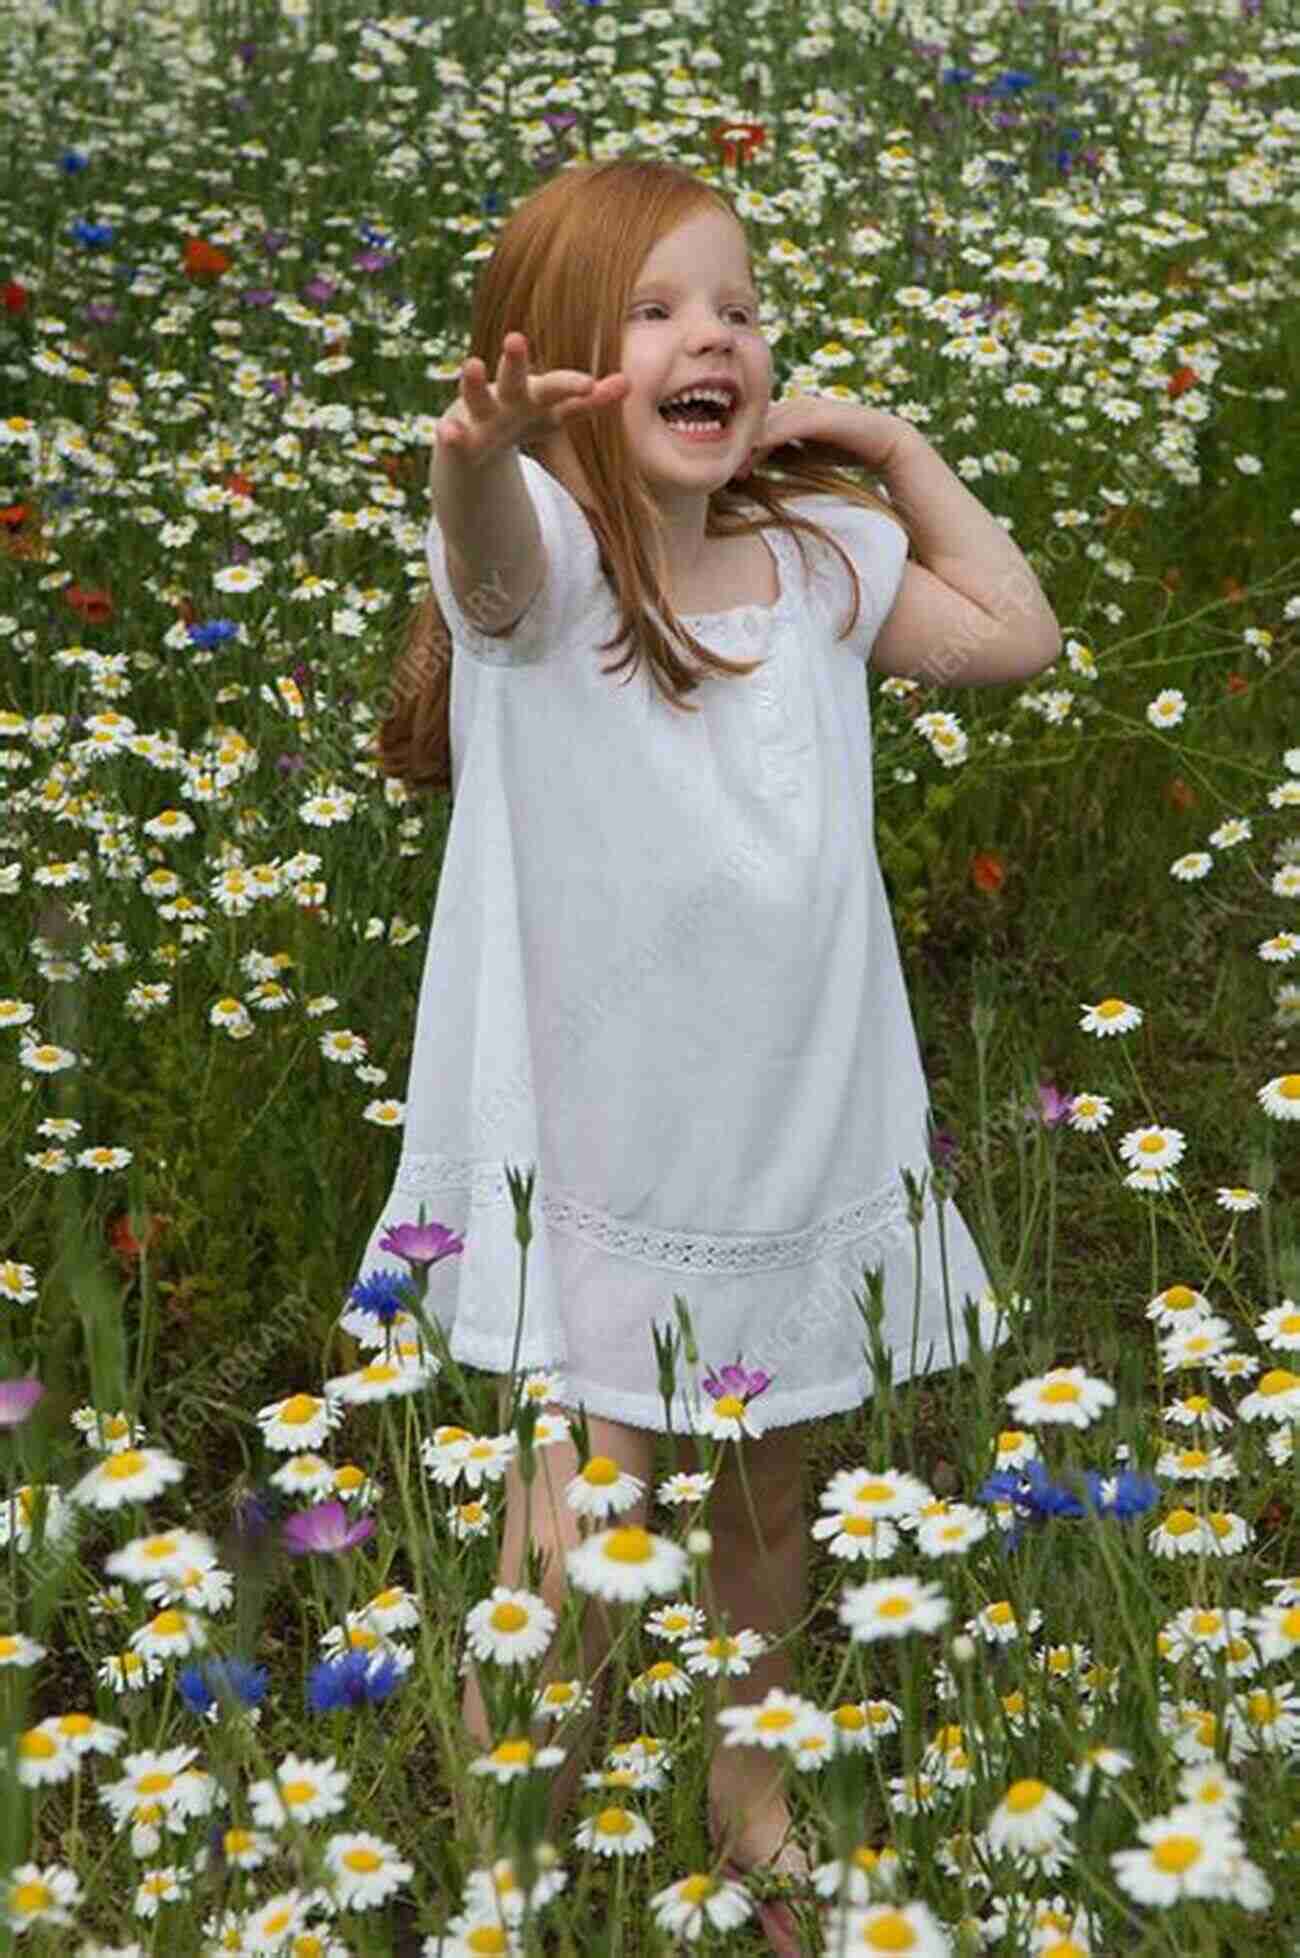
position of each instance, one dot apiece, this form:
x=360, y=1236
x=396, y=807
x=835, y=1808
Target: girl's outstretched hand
x=488, y=418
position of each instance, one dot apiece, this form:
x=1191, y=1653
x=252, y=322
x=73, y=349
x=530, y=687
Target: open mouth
x=698, y=418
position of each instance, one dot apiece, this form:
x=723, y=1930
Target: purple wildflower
x=421, y=1244
x=737, y=1380
x=17, y=1399
x=326, y=1529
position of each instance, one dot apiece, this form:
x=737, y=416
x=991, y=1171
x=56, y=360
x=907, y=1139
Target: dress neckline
x=751, y=605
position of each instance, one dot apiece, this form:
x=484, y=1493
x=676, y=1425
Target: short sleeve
x=877, y=547
x=567, y=592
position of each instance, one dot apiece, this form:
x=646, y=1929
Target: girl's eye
x=653, y=306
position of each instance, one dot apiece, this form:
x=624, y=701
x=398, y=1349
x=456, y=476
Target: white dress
x=662, y=970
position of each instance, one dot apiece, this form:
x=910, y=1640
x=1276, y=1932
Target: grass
x=308, y=191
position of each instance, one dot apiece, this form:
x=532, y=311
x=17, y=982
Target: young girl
x=661, y=964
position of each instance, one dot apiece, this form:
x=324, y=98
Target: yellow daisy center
x=297, y=1792
x=1059, y=1391
x=1278, y=1381
x=364, y=1861
x=614, y=1822
x=73, y=1724
x=1023, y=1796
x=25, y=1899
x=298, y=1409
x=168, y=1623
x=488, y=1938
x=1206, y=1623
x=629, y=1546
x=601, y=1471
x=1290, y=1622
x=1289, y=1324
x=508, y=1618
x=1193, y=1458
x=891, y=1932
x=513, y=1753
x=1001, y=1613
x=1289, y=1087
x=860, y=1526
x=1110, y=1009
x=120, y=1468
x=694, y=1889
x=1180, y=1522
x=774, y=1719
x=662, y=1669
x=874, y=1492
x=850, y=1717
x=155, y=1783
x=897, y=1606
x=730, y=1406
x=1176, y=1854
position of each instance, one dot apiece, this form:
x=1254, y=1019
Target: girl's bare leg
x=553, y=1528
x=765, y=1593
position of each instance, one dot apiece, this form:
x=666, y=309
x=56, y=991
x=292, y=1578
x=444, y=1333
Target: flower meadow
x=1045, y=1698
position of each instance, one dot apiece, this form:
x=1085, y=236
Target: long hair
x=562, y=272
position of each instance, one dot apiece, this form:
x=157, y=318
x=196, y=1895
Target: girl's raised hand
x=488, y=419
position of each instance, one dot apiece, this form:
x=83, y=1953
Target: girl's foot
x=766, y=1848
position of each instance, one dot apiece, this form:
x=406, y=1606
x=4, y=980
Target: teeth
x=720, y=395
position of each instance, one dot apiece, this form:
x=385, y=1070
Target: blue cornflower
x=957, y=75
x=73, y=162
x=1010, y=82
x=214, y=1680
x=213, y=633
x=384, y=1293
x=87, y=233
x=354, y=1680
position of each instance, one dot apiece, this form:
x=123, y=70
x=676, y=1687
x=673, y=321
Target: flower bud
x=699, y=1543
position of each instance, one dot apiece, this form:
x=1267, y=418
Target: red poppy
x=14, y=515
x=1172, y=579
x=1181, y=794
x=741, y=138
x=122, y=1238
x=1233, y=591
x=13, y=297
x=204, y=261
x=987, y=871
x=1180, y=380
x=1238, y=683
x=95, y=607
x=237, y=482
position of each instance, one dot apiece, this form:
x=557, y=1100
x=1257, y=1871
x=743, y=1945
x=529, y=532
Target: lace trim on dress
x=877, y=1218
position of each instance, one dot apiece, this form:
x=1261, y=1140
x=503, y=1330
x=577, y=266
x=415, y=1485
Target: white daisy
x=133, y=1475
x=695, y=1902
x=888, y=1927
x=1089, y=1112
x=1197, y=1410
x=298, y=1422
x=774, y=1722
x=615, y=1831
x=1280, y=1097
x=998, y=1624
x=1277, y=1627
x=861, y=1724
x=1153, y=1147
x=1191, y=867
x=661, y=1681
x=626, y=1565
x=685, y=1487
x=16, y=1649
x=560, y=1698
x=1029, y=1818
x=1280, y=1327
x=890, y=1493
x=675, y=1621
x=43, y=1758
x=1109, y=1016
x=891, y=1608
x=512, y=1759
x=1238, y=1198
x=366, y=1870
x=1064, y=1394
x=952, y=1533
x=40, y=1894
x=601, y=1488
x=1276, y=1398
x=856, y=1538
x=1185, y=1854
x=727, y=1419
x=731, y=1654
x=510, y=1628
x=385, y=1378
x=307, y=1790
x=1196, y=1344
x=1178, y=1305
